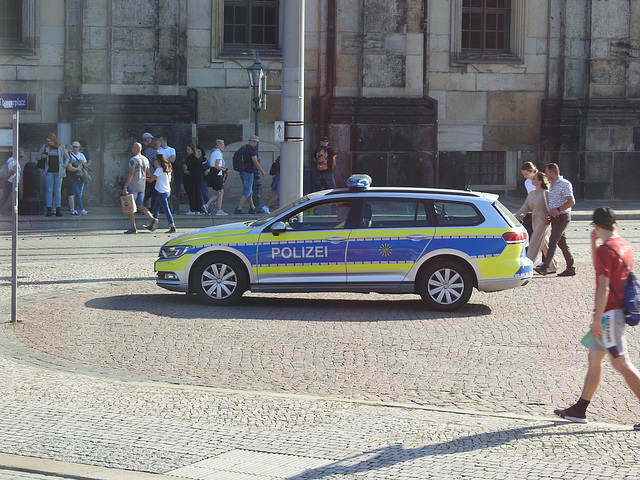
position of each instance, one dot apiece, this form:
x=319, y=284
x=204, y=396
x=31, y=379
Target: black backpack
x=275, y=167
x=238, y=159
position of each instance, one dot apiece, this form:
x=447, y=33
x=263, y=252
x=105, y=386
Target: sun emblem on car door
x=385, y=249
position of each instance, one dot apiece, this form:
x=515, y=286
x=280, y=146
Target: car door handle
x=336, y=239
x=417, y=236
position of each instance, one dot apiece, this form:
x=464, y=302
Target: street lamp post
x=256, y=82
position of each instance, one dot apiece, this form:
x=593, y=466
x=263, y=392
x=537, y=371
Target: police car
x=439, y=244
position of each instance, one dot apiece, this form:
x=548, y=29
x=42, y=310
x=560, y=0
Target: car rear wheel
x=445, y=285
x=219, y=279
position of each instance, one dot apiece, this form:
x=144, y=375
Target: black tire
x=219, y=279
x=445, y=285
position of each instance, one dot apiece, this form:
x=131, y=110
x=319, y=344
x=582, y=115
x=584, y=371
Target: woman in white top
x=162, y=177
x=216, y=177
x=528, y=170
x=536, y=203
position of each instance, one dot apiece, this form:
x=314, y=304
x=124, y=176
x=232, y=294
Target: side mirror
x=278, y=228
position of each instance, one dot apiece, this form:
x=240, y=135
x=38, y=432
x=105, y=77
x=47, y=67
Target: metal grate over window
x=485, y=168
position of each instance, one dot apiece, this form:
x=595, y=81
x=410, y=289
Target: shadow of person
x=388, y=456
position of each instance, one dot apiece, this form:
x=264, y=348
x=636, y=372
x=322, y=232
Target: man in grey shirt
x=135, y=184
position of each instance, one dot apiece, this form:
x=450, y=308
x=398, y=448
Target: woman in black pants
x=193, y=175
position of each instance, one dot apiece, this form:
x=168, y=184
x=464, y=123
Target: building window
x=488, y=31
x=251, y=24
x=17, y=26
x=485, y=26
x=485, y=168
x=10, y=24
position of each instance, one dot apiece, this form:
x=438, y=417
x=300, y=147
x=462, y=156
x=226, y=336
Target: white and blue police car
x=435, y=243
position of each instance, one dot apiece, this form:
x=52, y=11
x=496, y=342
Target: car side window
x=393, y=213
x=456, y=214
x=324, y=216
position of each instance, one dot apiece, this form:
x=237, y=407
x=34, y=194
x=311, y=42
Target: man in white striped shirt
x=561, y=200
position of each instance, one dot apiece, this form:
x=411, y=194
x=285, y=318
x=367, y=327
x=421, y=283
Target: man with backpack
x=613, y=260
x=324, y=161
x=247, y=169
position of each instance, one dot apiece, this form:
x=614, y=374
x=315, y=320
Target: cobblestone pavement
x=108, y=370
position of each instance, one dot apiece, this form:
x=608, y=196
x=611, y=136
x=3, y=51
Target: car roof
x=432, y=192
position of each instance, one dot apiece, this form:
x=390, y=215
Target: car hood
x=236, y=228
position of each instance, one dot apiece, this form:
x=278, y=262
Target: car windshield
x=270, y=216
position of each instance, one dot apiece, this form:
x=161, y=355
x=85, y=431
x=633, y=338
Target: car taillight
x=514, y=237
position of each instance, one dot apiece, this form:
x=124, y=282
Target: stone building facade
x=448, y=93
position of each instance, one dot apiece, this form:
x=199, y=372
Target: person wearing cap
x=324, y=161
x=561, y=200
x=146, y=139
x=247, y=177
x=75, y=168
x=612, y=259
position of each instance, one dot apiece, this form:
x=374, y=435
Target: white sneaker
x=220, y=213
x=190, y=213
x=84, y=212
x=265, y=209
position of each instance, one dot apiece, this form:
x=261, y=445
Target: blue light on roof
x=359, y=181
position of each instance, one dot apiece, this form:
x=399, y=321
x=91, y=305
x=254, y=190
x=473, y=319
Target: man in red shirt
x=610, y=261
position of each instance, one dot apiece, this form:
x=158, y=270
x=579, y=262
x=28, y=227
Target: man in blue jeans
x=561, y=200
x=251, y=165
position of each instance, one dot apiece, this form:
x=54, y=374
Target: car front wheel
x=445, y=285
x=219, y=279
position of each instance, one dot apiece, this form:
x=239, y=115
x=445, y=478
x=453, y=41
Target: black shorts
x=215, y=181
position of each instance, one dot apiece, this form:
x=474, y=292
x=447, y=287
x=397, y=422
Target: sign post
x=15, y=102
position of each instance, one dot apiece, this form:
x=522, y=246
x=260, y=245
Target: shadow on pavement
x=182, y=306
x=395, y=454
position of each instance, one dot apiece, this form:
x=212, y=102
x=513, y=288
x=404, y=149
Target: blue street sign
x=13, y=101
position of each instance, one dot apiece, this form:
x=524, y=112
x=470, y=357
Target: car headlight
x=174, y=251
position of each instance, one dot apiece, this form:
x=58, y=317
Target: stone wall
x=591, y=119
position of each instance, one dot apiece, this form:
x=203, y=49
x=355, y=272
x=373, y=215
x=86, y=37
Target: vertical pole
x=257, y=181
x=292, y=152
x=14, y=218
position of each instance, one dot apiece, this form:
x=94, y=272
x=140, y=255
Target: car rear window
x=456, y=214
x=507, y=215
